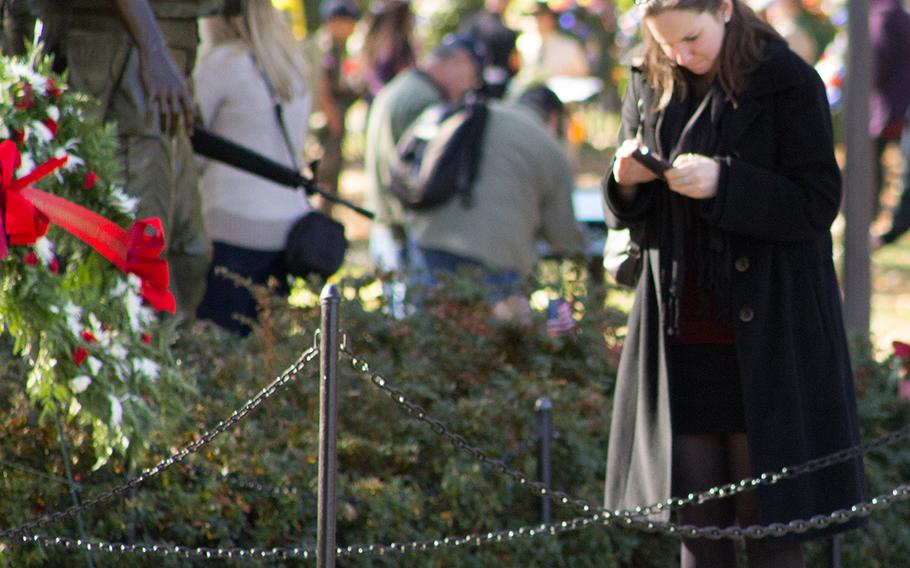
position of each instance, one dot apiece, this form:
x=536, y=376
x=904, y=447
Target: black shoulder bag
x=316, y=243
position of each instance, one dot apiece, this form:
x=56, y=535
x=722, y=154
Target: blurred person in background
x=522, y=193
x=807, y=32
x=487, y=26
x=337, y=89
x=787, y=17
x=900, y=215
x=547, y=51
x=452, y=70
x=388, y=46
x=252, y=63
x=889, y=31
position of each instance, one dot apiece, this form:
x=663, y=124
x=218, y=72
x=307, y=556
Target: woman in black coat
x=735, y=362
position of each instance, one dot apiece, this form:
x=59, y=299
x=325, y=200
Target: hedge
x=255, y=486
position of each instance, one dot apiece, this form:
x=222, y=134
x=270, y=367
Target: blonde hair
x=264, y=29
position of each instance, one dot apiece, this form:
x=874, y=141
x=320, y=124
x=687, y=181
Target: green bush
x=398, y=480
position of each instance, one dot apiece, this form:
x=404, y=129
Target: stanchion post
x=328, y=414
x=74, y=491
x=835, y=552
x=543, y=408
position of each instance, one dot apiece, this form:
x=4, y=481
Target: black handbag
x=623, y=255
x=316, y=244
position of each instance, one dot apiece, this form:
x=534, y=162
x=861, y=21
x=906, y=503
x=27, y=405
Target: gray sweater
x=243, y=209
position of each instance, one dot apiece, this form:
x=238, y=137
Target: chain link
x=635, y=518
x=900, y=493
x=770, y=478
x=164, y=464
x=479, y=539
x=167, y=550
x=203, y=553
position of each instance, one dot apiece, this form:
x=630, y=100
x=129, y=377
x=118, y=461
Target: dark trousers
x=224, y=300
x=900, y=217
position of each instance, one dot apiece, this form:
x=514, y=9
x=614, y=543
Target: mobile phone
x=645, y=157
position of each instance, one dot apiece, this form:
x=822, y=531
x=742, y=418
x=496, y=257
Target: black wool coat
x=778, y=193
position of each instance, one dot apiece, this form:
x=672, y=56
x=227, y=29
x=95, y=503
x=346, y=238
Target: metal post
x=835, y=552
x=859, y=179
x=74, y=489
x=543, y=408
x=328, y=414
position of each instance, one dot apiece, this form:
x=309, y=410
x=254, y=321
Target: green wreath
x=96, y=350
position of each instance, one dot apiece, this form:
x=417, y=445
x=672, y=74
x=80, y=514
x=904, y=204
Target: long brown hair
x=389, y=31
x=744, y=41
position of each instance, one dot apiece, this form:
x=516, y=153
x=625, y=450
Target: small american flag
x=559, y=318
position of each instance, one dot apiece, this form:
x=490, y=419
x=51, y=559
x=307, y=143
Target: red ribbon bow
x=28, y=212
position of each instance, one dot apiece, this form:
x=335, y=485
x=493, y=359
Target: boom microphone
x=215, y=147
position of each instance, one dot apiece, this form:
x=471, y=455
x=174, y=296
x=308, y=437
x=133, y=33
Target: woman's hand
x=694, y=175
x=627, y=171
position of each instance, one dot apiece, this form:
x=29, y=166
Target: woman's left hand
x=694, y=175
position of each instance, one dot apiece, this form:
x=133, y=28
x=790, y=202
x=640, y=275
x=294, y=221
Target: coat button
x=742, y=264
x=746, y=314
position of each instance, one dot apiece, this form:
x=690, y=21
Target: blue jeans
x=498, y=284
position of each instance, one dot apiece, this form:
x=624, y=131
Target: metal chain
x=178, y=457
x=900, y=493
x=770, y=478
x=284, y=490
x=632, y=517
x=194, y=553
x=480, y=539
x=204, y=553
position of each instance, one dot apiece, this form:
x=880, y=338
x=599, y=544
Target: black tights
x=702, y=461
